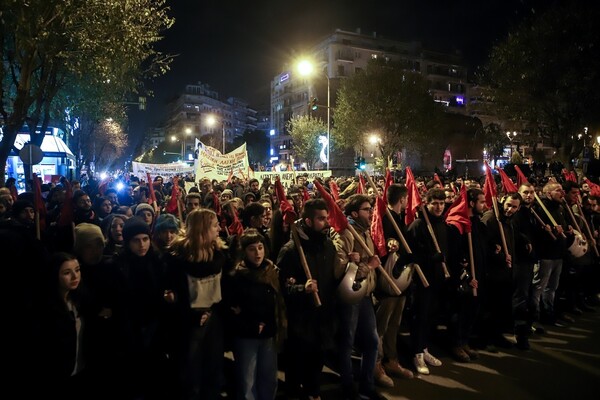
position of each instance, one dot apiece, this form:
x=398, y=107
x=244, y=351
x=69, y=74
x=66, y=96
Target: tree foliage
x=388, y=101
x=305, y=131
x=494, y=140
x=546, y=74
x=76, y=53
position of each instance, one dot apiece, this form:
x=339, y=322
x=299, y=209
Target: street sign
x=31, y=154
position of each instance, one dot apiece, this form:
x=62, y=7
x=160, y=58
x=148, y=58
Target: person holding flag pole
x=309, y=272
x=430, y=255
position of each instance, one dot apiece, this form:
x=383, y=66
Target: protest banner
x=287, y=177
x=167, y=171
x=212, y=164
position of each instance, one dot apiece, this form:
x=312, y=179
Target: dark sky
x=238, y=46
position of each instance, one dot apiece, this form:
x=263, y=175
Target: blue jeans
x=358, y=320
x=256, y=368
x=545, y=290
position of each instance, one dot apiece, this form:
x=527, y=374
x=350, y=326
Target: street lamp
x=188, y=131
x=211, y=120
x=511, y=136
x=306, y=68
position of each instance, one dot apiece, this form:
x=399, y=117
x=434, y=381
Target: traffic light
x=313, y=104
x=362, y=164
x=357, y=163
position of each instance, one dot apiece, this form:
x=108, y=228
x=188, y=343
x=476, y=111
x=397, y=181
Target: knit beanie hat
x=134, y=226
x=166, y=221
x=143, y=206
x=20, y=205
x=86, y=234
x=227, y=192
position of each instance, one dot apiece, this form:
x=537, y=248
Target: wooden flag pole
x=370, y=253
x=552, y=220
x=589, y=231
x=501, y=229
x=435, y=242
x=402, y=239
x=298, y=245
x=472, y=260
x=541, y=221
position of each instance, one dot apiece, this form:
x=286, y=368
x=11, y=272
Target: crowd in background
x=137, y=290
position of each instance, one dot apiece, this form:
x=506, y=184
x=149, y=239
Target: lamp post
x=188, y=131
x=511, y=136
x=212, y=121
x=305, y=68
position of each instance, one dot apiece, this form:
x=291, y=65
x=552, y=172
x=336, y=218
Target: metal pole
x=223, y=126
x=328, y=118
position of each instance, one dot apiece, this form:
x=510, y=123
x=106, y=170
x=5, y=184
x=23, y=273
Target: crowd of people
x=140, y=292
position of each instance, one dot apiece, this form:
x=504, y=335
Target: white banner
x=212, y=164
x=287, y=177
x=165, y=170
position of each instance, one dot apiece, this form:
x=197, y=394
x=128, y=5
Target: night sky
x=238, y=46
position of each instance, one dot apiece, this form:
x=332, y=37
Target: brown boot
x=393, y=368
x=381, y=378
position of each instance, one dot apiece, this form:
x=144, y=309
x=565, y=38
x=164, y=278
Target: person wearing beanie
x=166, y=230
x=227, y=194
x=89, y=243
x=139, y=284
x=146, y=212
x=134, y=228
x=23, y=212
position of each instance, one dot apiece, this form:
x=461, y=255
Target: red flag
x=38, y=202
x=335, y=190
x=171, y=207
x=151, y=188
x=521, y=178
x=236, y=227
x=489, y=187
x=337, y=219
x=305, y=194
x=66, y=211
x=569, y=175
x=414, y=198
x=216, y=203
x=458, y=214
x=361, y=189
x=507, y=183
x=289, y=215
x=377, y=227
x=594, y=188
x=438, y=180
x=389, y=180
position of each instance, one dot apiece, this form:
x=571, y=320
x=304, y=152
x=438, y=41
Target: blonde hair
x=193, y=245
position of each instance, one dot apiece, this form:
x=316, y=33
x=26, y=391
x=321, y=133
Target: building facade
x=341, y=55
x=200, y=113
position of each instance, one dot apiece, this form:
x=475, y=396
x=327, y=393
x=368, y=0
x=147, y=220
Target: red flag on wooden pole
x=377, y=226
x=66, y=212
x=287, y=210
x=337, y=219
x=458, y=214
x=389, y=180
x=335, y=190
x=489, y=188
x=362, y=186
x=507, y=183
x=414, y=198
x=438, y=180
x=521, y=178
x=171, y=207
x=151, y=189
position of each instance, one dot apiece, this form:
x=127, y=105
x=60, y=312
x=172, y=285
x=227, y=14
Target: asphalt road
x=562, y=364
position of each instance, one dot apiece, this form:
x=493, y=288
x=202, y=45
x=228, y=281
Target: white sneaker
x=431, y=360
x=420, y=364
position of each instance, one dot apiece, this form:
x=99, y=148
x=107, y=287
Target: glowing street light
x=306, y=68
x=211, y=120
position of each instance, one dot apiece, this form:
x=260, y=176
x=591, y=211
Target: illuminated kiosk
x=58, y=158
